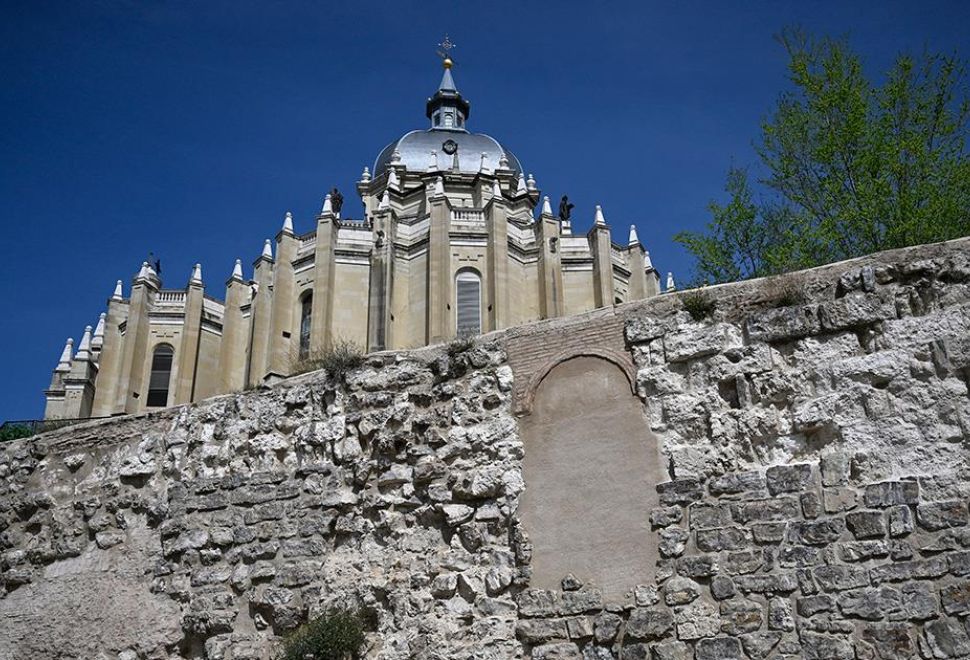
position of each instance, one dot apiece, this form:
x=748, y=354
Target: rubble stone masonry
x=811, y=440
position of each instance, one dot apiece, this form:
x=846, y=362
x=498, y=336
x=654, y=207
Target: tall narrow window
x=306, y=313
x=160, y=376
x=468, y=287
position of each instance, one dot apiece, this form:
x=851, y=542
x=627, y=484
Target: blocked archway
x=591, y=467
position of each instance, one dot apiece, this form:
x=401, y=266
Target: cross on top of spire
x=444, y=51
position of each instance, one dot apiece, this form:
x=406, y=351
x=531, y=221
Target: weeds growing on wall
x=789, y=297
x=461, y=344
x=339, y=359
x=699, y=305
x=337, y=634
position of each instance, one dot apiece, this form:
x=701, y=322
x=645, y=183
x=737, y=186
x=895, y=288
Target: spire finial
x=439, y=187
x=97, y=340
x=496, y=188
x=634, y=239
x=385, y=202
x=546, y=206
x=670, y=282
x=365, y=176
x=530, y=182
x=598, y=218
x=392, y=180
x=64, y=364
x=521, y=189
x=268, y=249
x=237, y=270
x=288, y=223
x=143, y=273
x=119, y=291
x=84, y=349
x=196, y=274
x=327, y=206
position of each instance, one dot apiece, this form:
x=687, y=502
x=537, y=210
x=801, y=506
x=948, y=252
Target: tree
x=848, y=167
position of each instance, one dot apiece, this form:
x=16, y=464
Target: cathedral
x=449, y=245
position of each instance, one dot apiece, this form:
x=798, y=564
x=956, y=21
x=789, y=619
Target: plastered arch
x=617, y=358
x=590, y=467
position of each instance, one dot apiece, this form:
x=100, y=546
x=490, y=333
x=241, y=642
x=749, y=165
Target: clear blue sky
x=189, y=128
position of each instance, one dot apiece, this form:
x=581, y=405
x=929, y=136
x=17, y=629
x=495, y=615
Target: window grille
x=306, y=313
x=468, y=286
x=161, y=374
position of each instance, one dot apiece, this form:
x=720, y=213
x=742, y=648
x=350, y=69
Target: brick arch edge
x=621, y=360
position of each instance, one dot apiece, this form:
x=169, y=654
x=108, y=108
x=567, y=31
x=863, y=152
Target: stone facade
x=449, y=244
x=811, y=436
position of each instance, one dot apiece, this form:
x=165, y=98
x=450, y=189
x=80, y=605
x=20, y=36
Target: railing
x=617, y=256
x=24, y=428
x=168, y=297
x=308, y=240
x=213, y=306
x=350, y=222
x=467, y=215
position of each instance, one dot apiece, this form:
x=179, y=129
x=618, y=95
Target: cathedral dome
x=448, y=138
x=415, y=150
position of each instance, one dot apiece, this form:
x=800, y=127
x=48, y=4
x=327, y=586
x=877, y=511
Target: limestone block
x=782, y=324
x=680, y=591
x=719, y=648
x=740, y=615
x=649, y=623
x=697, y=620
x=866, y=524
x=947, y=638
x=955, y=598
x=891, y=493
x=788, y=478
x=854, y=310
x=825, y=647
x=557, y=651
x=759, y=645
x=935, y=516
x=539, y=631
x=691, y=343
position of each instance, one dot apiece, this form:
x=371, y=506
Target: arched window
x=468, y=291
x=160, y=376
x=306, y=313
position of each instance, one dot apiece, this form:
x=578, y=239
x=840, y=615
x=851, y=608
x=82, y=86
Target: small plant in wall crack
x=699, y=305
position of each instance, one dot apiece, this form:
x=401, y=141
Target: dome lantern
x=446, y=144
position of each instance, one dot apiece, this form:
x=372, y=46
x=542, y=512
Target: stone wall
x=812, y=432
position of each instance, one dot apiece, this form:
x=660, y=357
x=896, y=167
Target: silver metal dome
x=415, y=150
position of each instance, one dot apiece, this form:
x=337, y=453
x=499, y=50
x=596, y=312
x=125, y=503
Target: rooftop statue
x=336, y=200
x=565, y=209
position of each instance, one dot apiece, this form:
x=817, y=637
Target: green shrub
x=699, y=305
x=337, y=634
x=14, y=432
x=339, y=359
